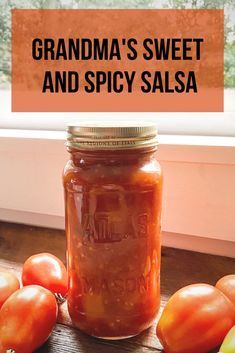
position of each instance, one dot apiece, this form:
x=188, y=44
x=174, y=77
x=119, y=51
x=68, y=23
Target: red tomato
x=227, y=286
x=228, y=345
x=9, y=283
x=195, y=320
x=47, y=271
x=26, y=319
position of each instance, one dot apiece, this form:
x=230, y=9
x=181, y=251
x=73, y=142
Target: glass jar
x=113, y=191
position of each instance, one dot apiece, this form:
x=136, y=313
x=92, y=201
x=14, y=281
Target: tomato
x=9, y=283
x=227, y=286
x=26, y=319
x=47, y=271
x=228, y=345
x=195, y=320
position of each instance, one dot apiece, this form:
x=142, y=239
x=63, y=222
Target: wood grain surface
x=179, y=268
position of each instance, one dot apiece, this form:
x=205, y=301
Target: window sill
x=199, y=174
x=184, y=148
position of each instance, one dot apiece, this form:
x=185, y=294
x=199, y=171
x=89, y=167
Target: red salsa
x=113, y=209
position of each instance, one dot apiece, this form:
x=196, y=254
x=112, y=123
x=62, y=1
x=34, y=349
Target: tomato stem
x=60, y=299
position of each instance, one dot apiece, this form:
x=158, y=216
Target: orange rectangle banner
x=117, y=60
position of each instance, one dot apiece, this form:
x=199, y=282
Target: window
x=221, y=124
x=199, y=172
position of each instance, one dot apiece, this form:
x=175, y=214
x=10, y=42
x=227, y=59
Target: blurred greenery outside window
x=7, y=5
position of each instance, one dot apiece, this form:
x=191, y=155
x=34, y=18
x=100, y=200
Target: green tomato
x=228, y=345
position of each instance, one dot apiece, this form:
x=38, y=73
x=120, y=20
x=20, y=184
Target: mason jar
x=113, y=196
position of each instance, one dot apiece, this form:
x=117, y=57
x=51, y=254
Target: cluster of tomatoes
x=28, y=314
x=198, y=317
x=195, y=320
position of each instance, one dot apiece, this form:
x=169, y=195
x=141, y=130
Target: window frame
x=198, y=196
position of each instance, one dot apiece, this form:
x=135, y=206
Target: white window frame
x=199, y=193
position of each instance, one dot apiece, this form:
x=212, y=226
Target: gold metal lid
x=110, y=136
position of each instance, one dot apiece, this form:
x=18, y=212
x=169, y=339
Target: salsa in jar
x=113, y=192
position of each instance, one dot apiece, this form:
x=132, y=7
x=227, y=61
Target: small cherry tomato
x=9, y=283
x=195, y=320
x=27, y=319
x=47, y=271
x=227, y=286
x=228, y=345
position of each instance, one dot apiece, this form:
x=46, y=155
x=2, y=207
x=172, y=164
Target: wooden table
x=179, y=268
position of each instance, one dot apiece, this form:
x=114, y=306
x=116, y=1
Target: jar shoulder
x=148, y=172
